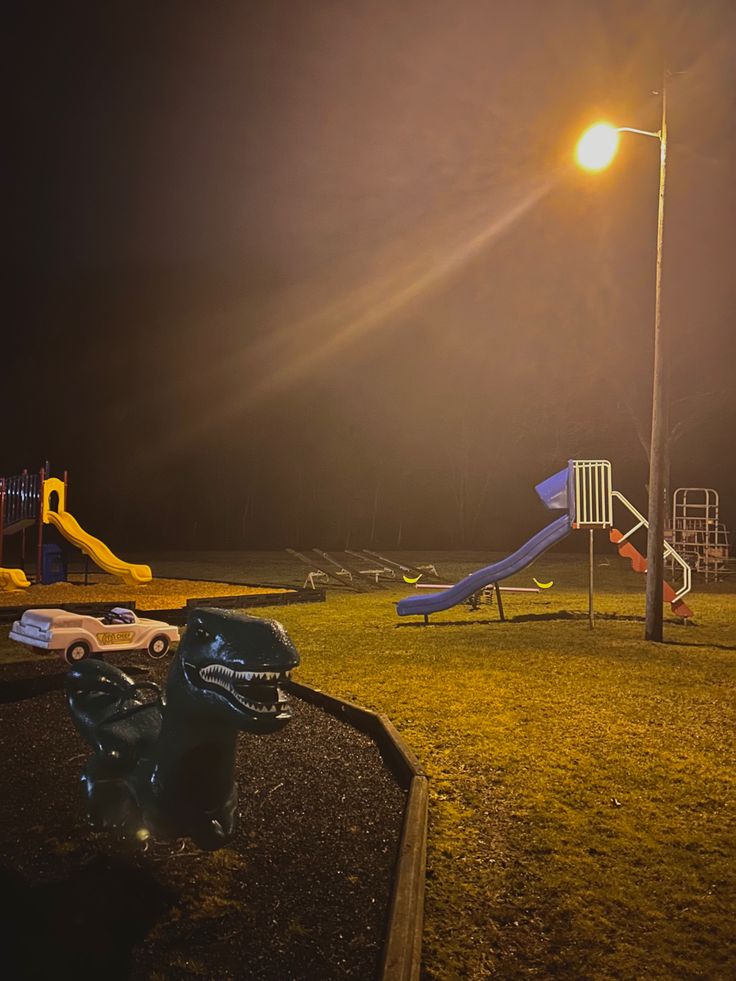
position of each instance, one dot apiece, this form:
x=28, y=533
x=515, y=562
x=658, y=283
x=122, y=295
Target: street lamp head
x=597, y=146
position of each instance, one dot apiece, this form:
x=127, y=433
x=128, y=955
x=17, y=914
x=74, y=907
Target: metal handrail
x=668, y=549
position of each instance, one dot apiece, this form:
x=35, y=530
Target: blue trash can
x=53, y=564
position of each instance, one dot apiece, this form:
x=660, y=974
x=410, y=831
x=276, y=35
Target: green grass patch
x=582, y=782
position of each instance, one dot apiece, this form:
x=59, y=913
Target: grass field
x=582, y=782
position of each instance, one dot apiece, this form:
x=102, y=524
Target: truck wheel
x=158, y=646
x=76, y=652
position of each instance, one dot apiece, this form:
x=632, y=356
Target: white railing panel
x=593, y=501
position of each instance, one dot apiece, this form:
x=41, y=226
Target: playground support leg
x=2, y=518
x=591, y=615
x=39, y=538
x=499, y=601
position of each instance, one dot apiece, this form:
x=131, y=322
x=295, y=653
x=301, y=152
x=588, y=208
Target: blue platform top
x=557, y=492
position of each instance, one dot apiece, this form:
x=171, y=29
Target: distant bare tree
x=686, y=415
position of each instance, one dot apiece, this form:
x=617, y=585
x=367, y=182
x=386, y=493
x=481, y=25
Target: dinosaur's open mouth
x=256, y=691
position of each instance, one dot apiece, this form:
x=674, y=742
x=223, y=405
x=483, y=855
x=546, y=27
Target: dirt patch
x=302, y=891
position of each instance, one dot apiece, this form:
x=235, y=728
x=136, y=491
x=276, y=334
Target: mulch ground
x=301, y=892
x=159, y=594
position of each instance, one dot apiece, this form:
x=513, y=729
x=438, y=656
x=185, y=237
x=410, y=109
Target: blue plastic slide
x=434, y=602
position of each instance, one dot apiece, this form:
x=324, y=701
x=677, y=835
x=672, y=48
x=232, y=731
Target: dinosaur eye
x=201, y=634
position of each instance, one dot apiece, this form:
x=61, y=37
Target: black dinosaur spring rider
x=166, y=767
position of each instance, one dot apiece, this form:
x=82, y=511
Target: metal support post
x=591, y=616
x=499, y=601
x=657, y=449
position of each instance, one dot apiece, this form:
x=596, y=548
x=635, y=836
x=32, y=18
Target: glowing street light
x=595, y=150
x=597, y=146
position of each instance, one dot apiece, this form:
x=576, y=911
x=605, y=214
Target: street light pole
x=657, y=448
x=595, y=150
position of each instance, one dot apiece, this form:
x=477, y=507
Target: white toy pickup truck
x=79, y=635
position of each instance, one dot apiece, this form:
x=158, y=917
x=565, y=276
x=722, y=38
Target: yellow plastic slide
x=13, y=579
x=97, y=550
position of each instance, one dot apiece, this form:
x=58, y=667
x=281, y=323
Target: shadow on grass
x=521, y=618
x=447, y=623
x=686, y=643
x=561, y=615
x=549, y=618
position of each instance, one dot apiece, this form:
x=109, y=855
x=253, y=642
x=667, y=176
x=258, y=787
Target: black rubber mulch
x=301, y=892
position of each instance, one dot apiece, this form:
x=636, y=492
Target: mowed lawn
x=582, y=782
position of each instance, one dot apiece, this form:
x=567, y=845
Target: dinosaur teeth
x=262, y=707
x=258, y=675
x=221, y=673
x=225, y=677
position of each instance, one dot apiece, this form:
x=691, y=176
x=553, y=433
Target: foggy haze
x=310, y=273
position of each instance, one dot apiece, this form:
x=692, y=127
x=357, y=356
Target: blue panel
x=53, y=564
x=553, y=490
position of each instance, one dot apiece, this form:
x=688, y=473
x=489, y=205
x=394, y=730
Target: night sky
x=309, y=272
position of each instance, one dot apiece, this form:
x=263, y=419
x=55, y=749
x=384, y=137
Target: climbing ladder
x=697, y=533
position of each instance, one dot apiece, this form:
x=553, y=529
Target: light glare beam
x=400, y=298
x=379, y=302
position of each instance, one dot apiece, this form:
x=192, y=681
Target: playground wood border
x=403, y=945
x=178, y=616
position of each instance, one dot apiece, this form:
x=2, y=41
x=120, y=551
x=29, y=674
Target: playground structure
x=31, y=501
x=697, y=533
x=584, y=490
